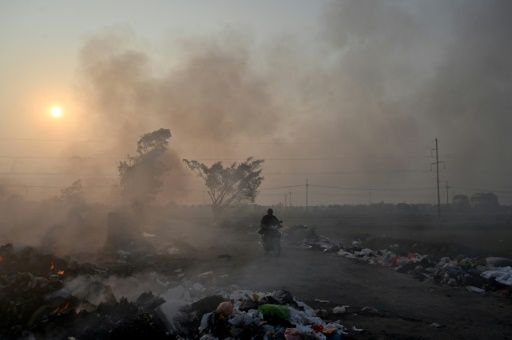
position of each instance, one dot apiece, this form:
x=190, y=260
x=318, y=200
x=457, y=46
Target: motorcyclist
x=266, y=224
x=268, y=220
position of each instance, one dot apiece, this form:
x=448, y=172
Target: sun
x=56, y=111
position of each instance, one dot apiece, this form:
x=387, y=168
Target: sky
x=349, y=96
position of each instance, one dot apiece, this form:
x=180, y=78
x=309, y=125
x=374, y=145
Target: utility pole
x=285, y=199
x=307, y=186
x=447, y=188
x=290, y=198
x=437, y=170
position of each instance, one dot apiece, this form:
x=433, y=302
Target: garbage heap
x=45, y=297
x=242, y=314
x=491, y=274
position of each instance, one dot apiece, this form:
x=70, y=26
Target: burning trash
x=89, y=302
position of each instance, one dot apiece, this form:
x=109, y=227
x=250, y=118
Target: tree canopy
x=231, y=185
x=73, y=193
x=140, y=175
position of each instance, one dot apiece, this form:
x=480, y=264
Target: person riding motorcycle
x=268, y=225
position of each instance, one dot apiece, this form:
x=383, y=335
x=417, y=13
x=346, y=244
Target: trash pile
x=36, y=301
x=244, y=314
x=489, y=275
x=43, y=296
x=307, y=237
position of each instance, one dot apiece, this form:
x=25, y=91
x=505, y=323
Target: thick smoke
x=211, y=98
x=358, y=106
x=402, y=73
x=379, y=84
x=213, y=95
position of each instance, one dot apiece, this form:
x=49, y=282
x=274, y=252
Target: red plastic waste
x=293, y=334
x=317, y=328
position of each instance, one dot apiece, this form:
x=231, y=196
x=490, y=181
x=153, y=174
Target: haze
x=349, y=95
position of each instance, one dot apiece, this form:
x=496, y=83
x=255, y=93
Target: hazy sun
x=56, y=111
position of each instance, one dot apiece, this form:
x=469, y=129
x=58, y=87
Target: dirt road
x=397, y=305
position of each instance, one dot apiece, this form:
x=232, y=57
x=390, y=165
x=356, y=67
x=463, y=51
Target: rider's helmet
x=270, y=211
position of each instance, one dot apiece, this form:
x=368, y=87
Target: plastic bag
x=225, y=308
x=279, y=311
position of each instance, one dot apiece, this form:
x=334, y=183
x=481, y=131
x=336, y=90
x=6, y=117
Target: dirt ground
x=380, y=303
x=383, y=304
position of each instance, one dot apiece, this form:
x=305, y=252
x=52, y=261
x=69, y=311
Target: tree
x=230, y=185
x=73, y=193
x=140, y=175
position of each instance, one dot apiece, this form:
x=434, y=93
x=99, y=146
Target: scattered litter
x=355, y=329
x=123, y=253
x=458, y=272
x=475, y=289
x=206, y=274
x=339, y=310
x=502, y=275
x=437, y=325
x=504, y=292
x=369, y=308
x=322, y=301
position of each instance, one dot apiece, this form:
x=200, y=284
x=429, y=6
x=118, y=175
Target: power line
x=343, y=172
x=57, y=174
x=59, y=157
x=369, y=189
x=285, y=187
x=58, y=187
x=478, y=172
x=219, y=159
x=198, y=159
x=481, y=159
x=490, y=173
x=52, y=140
x=481, y=190
x=346, y=188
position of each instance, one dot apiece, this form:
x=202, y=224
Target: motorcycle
x=271, y=239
